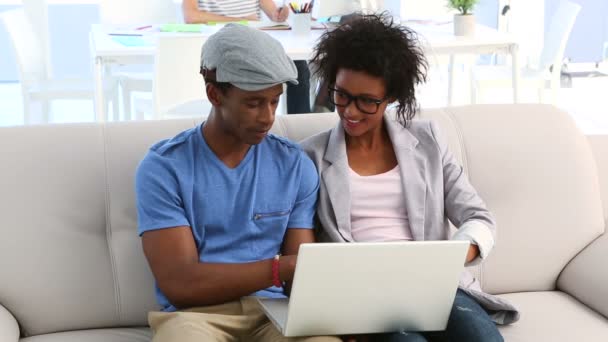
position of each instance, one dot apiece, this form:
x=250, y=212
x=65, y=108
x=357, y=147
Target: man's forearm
x=204, y=284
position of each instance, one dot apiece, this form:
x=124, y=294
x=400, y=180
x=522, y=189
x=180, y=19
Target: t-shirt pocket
x=274, y=219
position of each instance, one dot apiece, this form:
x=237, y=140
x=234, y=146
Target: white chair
x=178, y=87
x=549, y=68
x=131, y=14
x=37, y=12
x=30, y=55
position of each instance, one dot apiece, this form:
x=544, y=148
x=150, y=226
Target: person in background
x=386, y=177
x=219, y=217
x=202, y=11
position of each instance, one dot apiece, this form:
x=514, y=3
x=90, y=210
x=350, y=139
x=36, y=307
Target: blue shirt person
x=218, y=203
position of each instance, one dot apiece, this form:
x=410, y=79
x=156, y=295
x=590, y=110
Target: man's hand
x=287, y=267
x=472, y=253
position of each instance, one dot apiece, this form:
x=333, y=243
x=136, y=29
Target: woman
x=388, y=178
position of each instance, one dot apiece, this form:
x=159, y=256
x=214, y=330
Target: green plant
x=462, y=6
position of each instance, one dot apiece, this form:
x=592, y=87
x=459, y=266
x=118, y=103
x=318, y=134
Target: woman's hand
x=282, y=14
x=472, y=253
x=273, y=12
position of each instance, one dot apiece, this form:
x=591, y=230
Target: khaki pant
x=241, y=320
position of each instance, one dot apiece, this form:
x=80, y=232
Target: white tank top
x=377, y=207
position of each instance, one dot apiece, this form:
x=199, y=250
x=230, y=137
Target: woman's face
x=360, y=100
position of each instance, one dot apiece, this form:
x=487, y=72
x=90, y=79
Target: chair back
x=327, y=8
x=37, y=12
x=27, y=44
x=556, y=37
x=177, y=79
x=135, y=12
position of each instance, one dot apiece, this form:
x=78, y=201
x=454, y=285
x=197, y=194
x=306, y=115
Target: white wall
x=425, y=9
x=526, y=21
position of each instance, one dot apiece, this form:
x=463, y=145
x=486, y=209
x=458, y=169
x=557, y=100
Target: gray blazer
x=436, y=192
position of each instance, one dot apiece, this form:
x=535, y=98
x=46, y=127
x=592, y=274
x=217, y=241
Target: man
x=218, y=204
x=202, y=11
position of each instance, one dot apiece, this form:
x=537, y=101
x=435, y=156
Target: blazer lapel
x=336, y=179
x=412, y=168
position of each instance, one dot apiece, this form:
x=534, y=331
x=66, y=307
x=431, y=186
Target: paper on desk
x=131, y=31
x=269, y=25
x=132, y=40
x=190, y=28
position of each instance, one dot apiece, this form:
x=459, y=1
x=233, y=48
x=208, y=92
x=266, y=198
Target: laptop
x=360, y=288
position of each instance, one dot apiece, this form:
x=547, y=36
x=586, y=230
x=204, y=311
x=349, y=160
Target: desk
x=436, y=39
x=439, y=39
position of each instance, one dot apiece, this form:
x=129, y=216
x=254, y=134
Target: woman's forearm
x=269, y=8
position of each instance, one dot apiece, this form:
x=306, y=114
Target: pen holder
x=300, y=23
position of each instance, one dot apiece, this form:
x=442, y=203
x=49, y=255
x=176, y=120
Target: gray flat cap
x=247, y=58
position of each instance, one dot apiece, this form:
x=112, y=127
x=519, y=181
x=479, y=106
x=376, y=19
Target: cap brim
x=258, y=86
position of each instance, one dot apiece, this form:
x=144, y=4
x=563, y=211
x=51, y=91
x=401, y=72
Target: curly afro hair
x=374, y=44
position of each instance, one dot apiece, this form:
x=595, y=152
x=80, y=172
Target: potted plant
x=464, y=21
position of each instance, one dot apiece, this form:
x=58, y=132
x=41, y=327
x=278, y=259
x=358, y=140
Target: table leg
x=451, y=80
x=282, y=107
x=100, y=114
x=516, y=72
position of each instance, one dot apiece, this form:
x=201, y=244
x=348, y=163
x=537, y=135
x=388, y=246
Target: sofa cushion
x=298, y=127
x=536, y=172
x=125, y=145
x=55, y=267
x=554, y=316
x=599, y=146
x=96, y=335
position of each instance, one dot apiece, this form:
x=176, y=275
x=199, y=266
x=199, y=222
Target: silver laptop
x=357, y=288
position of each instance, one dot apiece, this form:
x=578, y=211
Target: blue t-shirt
x=237, y=215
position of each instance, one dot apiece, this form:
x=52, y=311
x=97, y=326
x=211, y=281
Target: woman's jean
x=468, y=322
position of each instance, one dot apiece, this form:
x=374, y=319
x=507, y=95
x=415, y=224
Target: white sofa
x=72, y=269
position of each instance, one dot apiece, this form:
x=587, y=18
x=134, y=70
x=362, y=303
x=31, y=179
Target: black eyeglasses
x=365, y=104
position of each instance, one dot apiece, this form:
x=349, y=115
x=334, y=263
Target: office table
x=436, y=39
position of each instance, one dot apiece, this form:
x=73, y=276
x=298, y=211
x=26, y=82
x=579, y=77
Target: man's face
x=249, y=115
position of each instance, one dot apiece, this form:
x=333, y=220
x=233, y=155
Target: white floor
x=586, y=101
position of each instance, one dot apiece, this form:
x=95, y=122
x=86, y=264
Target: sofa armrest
x=599, y=146
x=9, y=329
x=586, y=276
